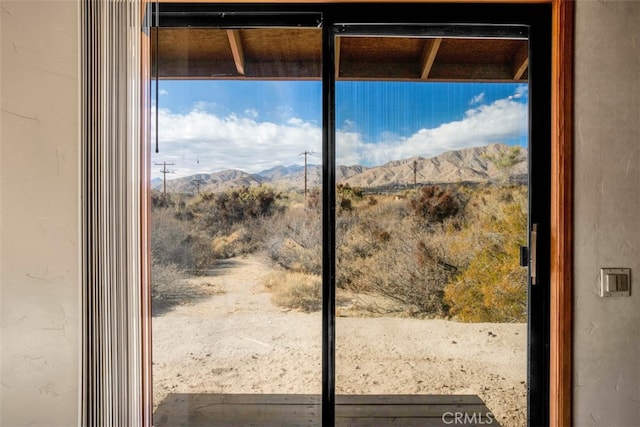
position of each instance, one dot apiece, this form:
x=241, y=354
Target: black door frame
x=470, y=20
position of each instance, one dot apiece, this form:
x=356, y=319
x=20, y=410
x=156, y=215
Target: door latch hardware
x=533, y=254
x=524, y=256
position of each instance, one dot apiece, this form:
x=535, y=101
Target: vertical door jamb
x=328, y=226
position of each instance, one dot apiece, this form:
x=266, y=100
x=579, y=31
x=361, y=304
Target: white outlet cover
x=621, y=275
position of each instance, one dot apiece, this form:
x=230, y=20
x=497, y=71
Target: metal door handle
x=533, y=253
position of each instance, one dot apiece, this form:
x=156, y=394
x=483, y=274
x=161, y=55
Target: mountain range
x=493, y=162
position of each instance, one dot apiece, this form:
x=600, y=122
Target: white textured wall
x=607, y=211
x=39, y=187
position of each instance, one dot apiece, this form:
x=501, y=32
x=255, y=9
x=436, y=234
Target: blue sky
x=208, y=126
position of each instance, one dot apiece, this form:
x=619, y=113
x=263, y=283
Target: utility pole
x=415, y=173
x=414, y=167
x=198, y=182
x=164, y=172
x=305, y=154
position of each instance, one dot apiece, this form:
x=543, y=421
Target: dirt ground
x=221, y=333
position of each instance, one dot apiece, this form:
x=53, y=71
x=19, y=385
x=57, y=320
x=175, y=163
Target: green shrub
x=347, y=195
x=493, y=287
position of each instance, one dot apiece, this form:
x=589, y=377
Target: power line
x=414, y=167
x=198, y=182
x=415, y=173
x=305, y=154
x=164, y=172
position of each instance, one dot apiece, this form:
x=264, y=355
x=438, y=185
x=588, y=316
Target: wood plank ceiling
x=295, y=54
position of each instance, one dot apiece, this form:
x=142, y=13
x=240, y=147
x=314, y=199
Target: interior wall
x=607, y=211
x=39, y=221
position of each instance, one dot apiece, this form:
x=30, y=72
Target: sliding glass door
x=431, y=213
x=236, y=225
x=342, y=208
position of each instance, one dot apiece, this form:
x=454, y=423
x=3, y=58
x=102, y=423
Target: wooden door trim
x=561, y=304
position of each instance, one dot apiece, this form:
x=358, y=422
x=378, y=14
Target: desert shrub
x=295, y=239
x=213, y=225
x=248, y=202
x=314, y=199
x=242, y=239
x=345, y=204
x=163, y=279
x=464, y=264
x=345, y=190
x=295, y=290
x=505, y=160
x=346, y=196
x=489, y=290
x=172, y=286
x=200, y=249
x=398, y=265
x=229, y=245
x=218, y=213
x=176, y=241
x=159, y=200
x=492, y=286
x=434, y=203
x=177, y=201
x=381, y=250
x=170, y=241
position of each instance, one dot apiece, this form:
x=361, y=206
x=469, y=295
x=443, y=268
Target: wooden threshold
x=208, y=409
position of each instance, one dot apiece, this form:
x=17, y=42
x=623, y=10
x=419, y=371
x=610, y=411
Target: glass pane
x=431, y=211
x=236, y=241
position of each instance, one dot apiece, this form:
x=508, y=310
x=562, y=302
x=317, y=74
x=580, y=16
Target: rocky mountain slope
x=495, y=162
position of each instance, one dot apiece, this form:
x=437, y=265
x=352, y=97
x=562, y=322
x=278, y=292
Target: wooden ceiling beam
x=521, y=62
x=226, y=70
x=429, y=53
x=497, y=72
x=236, y=49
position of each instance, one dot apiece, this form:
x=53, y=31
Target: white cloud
x=251, y=112
x=477, y=99
x=521, y=92
x=201, y=141
x=349, y=126
x=500, y=121
x=163, y=92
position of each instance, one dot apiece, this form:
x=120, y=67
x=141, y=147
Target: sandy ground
x=222, y=334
